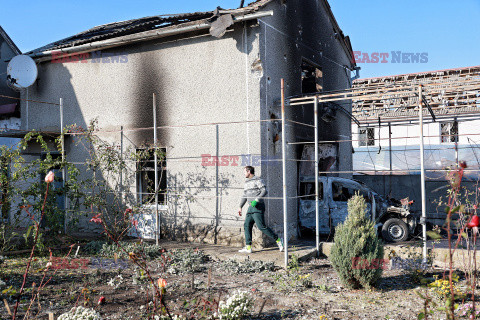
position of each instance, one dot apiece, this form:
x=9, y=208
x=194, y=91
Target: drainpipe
x=284, y=174
x=155, y=158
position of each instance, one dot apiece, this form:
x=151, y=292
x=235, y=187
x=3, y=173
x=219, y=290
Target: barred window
x=449, y=132
x=146, y=175
x=366, y=137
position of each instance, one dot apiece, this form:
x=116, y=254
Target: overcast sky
x=446, y=32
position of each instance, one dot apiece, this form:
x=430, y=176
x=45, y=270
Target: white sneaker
x=280, y=244
x=245, y=250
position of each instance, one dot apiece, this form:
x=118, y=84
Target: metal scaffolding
x=403, y=98
x=375, y=102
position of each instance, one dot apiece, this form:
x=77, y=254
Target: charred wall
x=299, y=31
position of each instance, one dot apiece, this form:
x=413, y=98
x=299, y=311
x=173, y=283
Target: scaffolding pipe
x=155, y=159
x=284, y=174
x=456, y=141
x=389, y=156
x=121, y=157
x=64, y=173
x=422, y=167
x=317, y=214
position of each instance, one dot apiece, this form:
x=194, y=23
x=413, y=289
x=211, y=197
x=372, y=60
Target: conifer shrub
x=357, y=253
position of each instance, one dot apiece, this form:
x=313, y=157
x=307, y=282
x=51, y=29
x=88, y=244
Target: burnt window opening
x=307, y=191
x=312, y=78
x=449, y=132
x=366, y=137
x=341, y=192
x=146, y=175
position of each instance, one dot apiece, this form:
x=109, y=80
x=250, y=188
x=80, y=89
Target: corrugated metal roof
x=116, y=29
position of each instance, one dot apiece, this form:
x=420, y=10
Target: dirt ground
x=311, y=290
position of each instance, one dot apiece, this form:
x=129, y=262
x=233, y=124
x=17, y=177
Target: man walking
x=253, y=192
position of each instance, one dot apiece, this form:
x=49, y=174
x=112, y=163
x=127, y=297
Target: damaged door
x=342, y=191
x=307, y=216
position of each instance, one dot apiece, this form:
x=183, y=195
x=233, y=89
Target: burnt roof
x=122, y=28
x=129, y=27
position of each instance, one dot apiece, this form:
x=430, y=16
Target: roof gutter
x=138, y=37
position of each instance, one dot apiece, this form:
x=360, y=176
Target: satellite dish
x=21, y=72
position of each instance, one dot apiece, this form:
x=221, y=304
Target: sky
x=444, y=33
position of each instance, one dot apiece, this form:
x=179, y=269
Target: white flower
x=236, y=307
x=175, y=317
x=80, y=313
x=116, y=281
x=2, y=283
x=49, y=177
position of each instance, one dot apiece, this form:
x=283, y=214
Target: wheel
x=394, y=230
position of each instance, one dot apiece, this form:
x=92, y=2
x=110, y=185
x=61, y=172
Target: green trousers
x=256, y=215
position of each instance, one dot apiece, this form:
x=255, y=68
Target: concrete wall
x=6, y=54
x=299, y=29
x=200, y=80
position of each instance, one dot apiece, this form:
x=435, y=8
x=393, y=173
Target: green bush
x=185, y=261
x=105, y=249
x=356, y=239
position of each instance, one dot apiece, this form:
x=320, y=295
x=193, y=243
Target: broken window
x=342, y=192
x=449, y=132
x=366, y=137
x=312, y=78
x=307, y=191
x=146, y=175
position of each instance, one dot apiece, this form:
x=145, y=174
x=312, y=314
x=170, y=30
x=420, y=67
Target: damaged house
x=216, y=78
x=9, y=108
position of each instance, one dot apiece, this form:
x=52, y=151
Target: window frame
x=311, y=194
x=140, y=172
x=449, y=137
x=367, y=137
x=319, y=76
